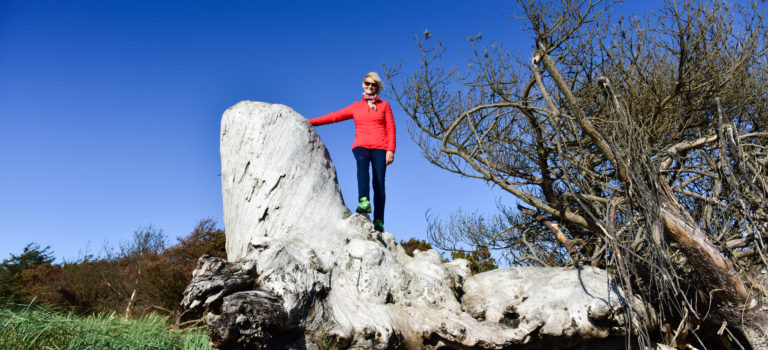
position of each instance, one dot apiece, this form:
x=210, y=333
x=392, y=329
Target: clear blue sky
x=110, y=110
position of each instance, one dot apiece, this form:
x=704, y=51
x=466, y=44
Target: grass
x=34, y=327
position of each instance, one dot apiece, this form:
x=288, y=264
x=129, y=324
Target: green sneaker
x=378, y=225
x=364, y=207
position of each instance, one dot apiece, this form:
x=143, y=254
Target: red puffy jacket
x=373, y=129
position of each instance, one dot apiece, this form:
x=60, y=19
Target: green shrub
x=11, y=269
x=480, y=259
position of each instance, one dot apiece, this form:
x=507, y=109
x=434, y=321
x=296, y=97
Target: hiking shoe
x=364, y=207
x=378, y=225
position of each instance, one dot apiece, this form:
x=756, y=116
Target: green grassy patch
x=34, y=327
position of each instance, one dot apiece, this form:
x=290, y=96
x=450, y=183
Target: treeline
x=137, y=278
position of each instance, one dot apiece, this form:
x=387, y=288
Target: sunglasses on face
x=367, y=83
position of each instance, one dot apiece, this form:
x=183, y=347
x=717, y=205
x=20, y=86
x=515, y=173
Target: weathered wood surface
x=305, y=273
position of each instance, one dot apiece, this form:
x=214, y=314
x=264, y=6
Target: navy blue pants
x=378, y=159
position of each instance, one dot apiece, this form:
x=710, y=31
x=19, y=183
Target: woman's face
x=370, y=87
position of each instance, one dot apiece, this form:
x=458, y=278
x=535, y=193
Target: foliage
x=32, y=255
x=33, y=327
x=141, y=277
x=636, y=145
x=11, y=269
x=415, y=244
x=480, y=259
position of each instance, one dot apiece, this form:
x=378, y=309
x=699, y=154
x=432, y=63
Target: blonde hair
x=375, y=77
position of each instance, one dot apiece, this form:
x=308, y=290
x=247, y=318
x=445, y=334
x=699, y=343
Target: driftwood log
x=303, y=272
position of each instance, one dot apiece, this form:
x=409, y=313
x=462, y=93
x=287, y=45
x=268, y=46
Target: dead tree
x=637, y=145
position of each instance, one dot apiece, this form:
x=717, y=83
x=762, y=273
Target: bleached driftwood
x=303, y=272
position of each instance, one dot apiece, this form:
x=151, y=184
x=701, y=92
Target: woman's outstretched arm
x=333, y=117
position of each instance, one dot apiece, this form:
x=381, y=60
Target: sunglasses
x=370, y=84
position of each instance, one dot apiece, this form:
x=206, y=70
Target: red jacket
x=373, y=129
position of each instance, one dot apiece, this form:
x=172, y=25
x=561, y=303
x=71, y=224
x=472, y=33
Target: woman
x=374, y=144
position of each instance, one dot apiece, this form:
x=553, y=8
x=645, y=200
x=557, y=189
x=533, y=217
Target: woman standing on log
x=374, y=144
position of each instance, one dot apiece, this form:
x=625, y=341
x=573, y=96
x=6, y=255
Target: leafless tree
x=637, y=145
